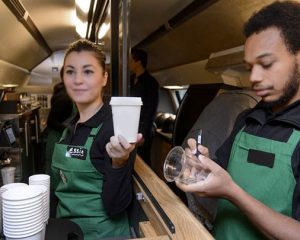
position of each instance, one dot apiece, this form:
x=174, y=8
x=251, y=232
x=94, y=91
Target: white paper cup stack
x=2, y=190
x=23, y=217
x=42, y=179
x=45, y=206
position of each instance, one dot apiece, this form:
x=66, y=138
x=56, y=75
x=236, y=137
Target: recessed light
x=54, y=69
x=9, y=85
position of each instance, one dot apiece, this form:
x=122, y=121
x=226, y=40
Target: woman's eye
x=87, y=72
x=69, y=72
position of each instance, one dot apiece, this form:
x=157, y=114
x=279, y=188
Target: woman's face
x=84, y=78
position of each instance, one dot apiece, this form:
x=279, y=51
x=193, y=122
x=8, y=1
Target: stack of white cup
x=2, y=190
x=43, y=180
x=23, y=213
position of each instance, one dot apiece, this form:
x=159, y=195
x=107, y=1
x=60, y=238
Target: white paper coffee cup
x=8, y=175
x=126, y=116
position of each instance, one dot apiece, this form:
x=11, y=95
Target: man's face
x=274, y=70
x=133, y=65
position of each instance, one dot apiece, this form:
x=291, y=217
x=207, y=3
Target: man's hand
x=218, y=182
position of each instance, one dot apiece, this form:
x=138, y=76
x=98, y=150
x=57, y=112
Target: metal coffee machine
x=20, y=142
x=10, y=149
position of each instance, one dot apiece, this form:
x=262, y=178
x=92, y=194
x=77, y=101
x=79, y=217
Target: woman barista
x=93, y=167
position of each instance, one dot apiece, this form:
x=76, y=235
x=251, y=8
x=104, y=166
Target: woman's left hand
x=119, y=149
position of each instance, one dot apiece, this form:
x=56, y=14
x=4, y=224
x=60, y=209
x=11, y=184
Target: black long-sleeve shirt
x=147, y=88
x=117, y=189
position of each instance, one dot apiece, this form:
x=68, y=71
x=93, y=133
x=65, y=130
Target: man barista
x=260, y=189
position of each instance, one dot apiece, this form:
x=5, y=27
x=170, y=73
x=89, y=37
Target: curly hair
x=284, y=16
x=86, y=45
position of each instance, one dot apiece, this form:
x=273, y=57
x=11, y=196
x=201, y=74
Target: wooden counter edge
x=186, y=225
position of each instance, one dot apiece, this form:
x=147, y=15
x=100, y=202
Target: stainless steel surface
x=2, y=93
x=26, y=112
x=26, y=139
x=216, y=28
x=24, y=151
x=15, y=50
x=36, y=124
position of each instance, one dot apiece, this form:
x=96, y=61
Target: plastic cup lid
x=126, y=101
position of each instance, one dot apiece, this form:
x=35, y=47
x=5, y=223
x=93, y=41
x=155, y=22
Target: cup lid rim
x=126, y=101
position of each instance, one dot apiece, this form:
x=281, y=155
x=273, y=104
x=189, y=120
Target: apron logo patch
x=261, y=158
x=76, y=152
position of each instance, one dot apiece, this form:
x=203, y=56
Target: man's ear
x=298, y=57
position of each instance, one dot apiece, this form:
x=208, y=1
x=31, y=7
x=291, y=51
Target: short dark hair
x=285, y=16
x=140, y=55
x=86, y=45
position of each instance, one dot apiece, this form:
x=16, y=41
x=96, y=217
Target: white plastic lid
x=126, y=101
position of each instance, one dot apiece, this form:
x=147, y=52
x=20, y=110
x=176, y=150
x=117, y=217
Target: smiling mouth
x=79, y=90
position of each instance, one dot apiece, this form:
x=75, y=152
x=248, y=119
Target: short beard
x=289, y=91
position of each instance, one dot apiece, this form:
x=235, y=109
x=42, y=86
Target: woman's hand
x=119, y=149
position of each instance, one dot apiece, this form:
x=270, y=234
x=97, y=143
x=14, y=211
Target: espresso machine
x=19, y=135
x=10, y=149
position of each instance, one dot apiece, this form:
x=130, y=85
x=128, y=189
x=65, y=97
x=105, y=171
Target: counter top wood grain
x=186, y=225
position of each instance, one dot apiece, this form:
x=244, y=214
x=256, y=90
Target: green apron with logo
x=79, y=191
x=273, y=186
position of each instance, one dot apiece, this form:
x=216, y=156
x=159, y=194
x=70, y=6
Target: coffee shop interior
x=27, y=76
x=34, y=37
x=194, y=54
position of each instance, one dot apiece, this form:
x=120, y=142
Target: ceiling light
x=81, y=27
x=84, y=5
x=10, y=85
x=103, y=30
x=175, y=87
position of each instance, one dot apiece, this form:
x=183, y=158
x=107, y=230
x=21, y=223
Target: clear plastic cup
x=8, y=175
x=180, y=167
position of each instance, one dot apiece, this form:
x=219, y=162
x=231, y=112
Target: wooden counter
x=183, y=223
x=161, y=145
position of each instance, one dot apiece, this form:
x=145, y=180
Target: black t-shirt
x=262, y=122
x=117, y=189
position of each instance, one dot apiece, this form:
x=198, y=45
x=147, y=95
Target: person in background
x=143, y=85
x=93, y=167
x=60, y=111
x=260, y=191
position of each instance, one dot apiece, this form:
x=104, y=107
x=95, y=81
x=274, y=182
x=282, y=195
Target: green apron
x=79, y=192
x=273, y=186
x=52, y=138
